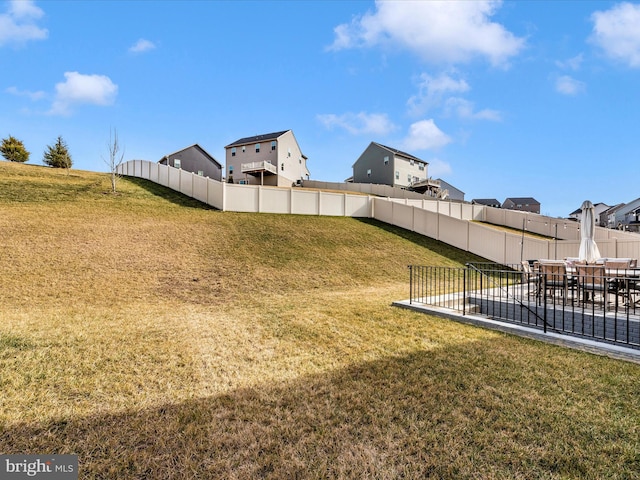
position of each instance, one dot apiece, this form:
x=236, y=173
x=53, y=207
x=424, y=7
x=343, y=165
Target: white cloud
x=567, y=85
x=439, y=168
x=432, y=90
x=141, y=46
x=359, y=123
x=617, y=32
x=80, y=89
x=438, y=31
x=463, y=108
x=18, y=25
x=26, y=93
x=425, y=135
x=573, y=63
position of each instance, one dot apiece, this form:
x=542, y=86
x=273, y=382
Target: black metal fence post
x=410, y=284
x=464, y=291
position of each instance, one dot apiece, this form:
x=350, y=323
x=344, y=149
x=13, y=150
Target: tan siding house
x=269, y=159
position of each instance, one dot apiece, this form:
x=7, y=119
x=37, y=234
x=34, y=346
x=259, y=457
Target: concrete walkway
x=591, y=346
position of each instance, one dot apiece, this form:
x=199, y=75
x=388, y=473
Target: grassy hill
x=158, y=338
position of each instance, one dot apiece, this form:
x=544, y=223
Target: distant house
x=384, y=165
x=194, y=159
x=608, y=217
x=524, y=204
x=627, y=217
x=598, y=209
x=269, y=159
x=488, y=202
x=452, y=193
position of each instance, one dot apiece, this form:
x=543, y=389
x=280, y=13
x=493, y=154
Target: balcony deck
x=259, y=168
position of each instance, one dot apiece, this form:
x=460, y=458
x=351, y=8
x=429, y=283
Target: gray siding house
x=453, y=193
x=628, y=216
x=194, y=159
x=388, y=166
x=608, y=217
x=269, y=159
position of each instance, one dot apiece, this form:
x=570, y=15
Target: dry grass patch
x=159, y=339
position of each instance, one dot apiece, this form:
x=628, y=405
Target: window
x=200, y=173
x=244, y=148
x=244, y=182
x=421, y=167
x=257, y=148
x=230, y=169
x=273, y=145
x=412, y=162
x=386, y=159
x=233, y=151
x=397, y=175
x=177, y=163
x=288, y=152
x=409, y=177
x=368, y=172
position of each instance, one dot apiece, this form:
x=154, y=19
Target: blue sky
x=503, y=99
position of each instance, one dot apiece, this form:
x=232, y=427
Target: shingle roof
x=195, y=145
x=527, y=200
x=400, y=152
x=257, y=138
x=486, y=201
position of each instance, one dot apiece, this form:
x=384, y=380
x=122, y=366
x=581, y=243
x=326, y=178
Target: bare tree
x=115, y=158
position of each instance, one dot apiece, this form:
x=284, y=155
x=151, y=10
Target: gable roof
x=448, y=186
x=198, y=147
x=401, y=153
x=257, y=138
x=629, y=207
x=613, y=209
x=596, y=205
x=486, y=201
x=526, y=200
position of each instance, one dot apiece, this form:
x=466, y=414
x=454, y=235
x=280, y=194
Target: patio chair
x=554, y=278
x=616, y=271
x=592, y=281
x=530, y=277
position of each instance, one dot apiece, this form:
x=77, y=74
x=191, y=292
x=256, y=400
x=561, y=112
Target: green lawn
x=158, y=338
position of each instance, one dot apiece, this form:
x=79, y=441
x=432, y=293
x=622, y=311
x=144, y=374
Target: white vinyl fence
x=454, y=223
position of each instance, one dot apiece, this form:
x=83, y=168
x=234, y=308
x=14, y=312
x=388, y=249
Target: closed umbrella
x=588, y=249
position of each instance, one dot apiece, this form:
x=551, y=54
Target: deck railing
x=565, y=304
x=258, y=166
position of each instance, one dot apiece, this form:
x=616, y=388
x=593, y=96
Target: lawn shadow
x=455, y=412
x=436, y=246
x=168, y=194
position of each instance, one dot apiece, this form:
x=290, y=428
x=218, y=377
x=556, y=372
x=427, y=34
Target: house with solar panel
x=269, y=159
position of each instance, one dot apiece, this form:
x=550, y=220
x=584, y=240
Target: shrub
x=57, y=156
x=13, y=150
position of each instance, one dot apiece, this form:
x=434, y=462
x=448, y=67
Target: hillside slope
x=158, y=338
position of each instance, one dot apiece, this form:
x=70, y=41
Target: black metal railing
x=604, y=309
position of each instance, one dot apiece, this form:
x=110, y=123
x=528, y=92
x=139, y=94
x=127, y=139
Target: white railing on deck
x=258, y=166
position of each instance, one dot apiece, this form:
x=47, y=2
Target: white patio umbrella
x=588, y=249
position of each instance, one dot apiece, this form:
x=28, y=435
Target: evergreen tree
x=13, y=150
x=57, y=156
